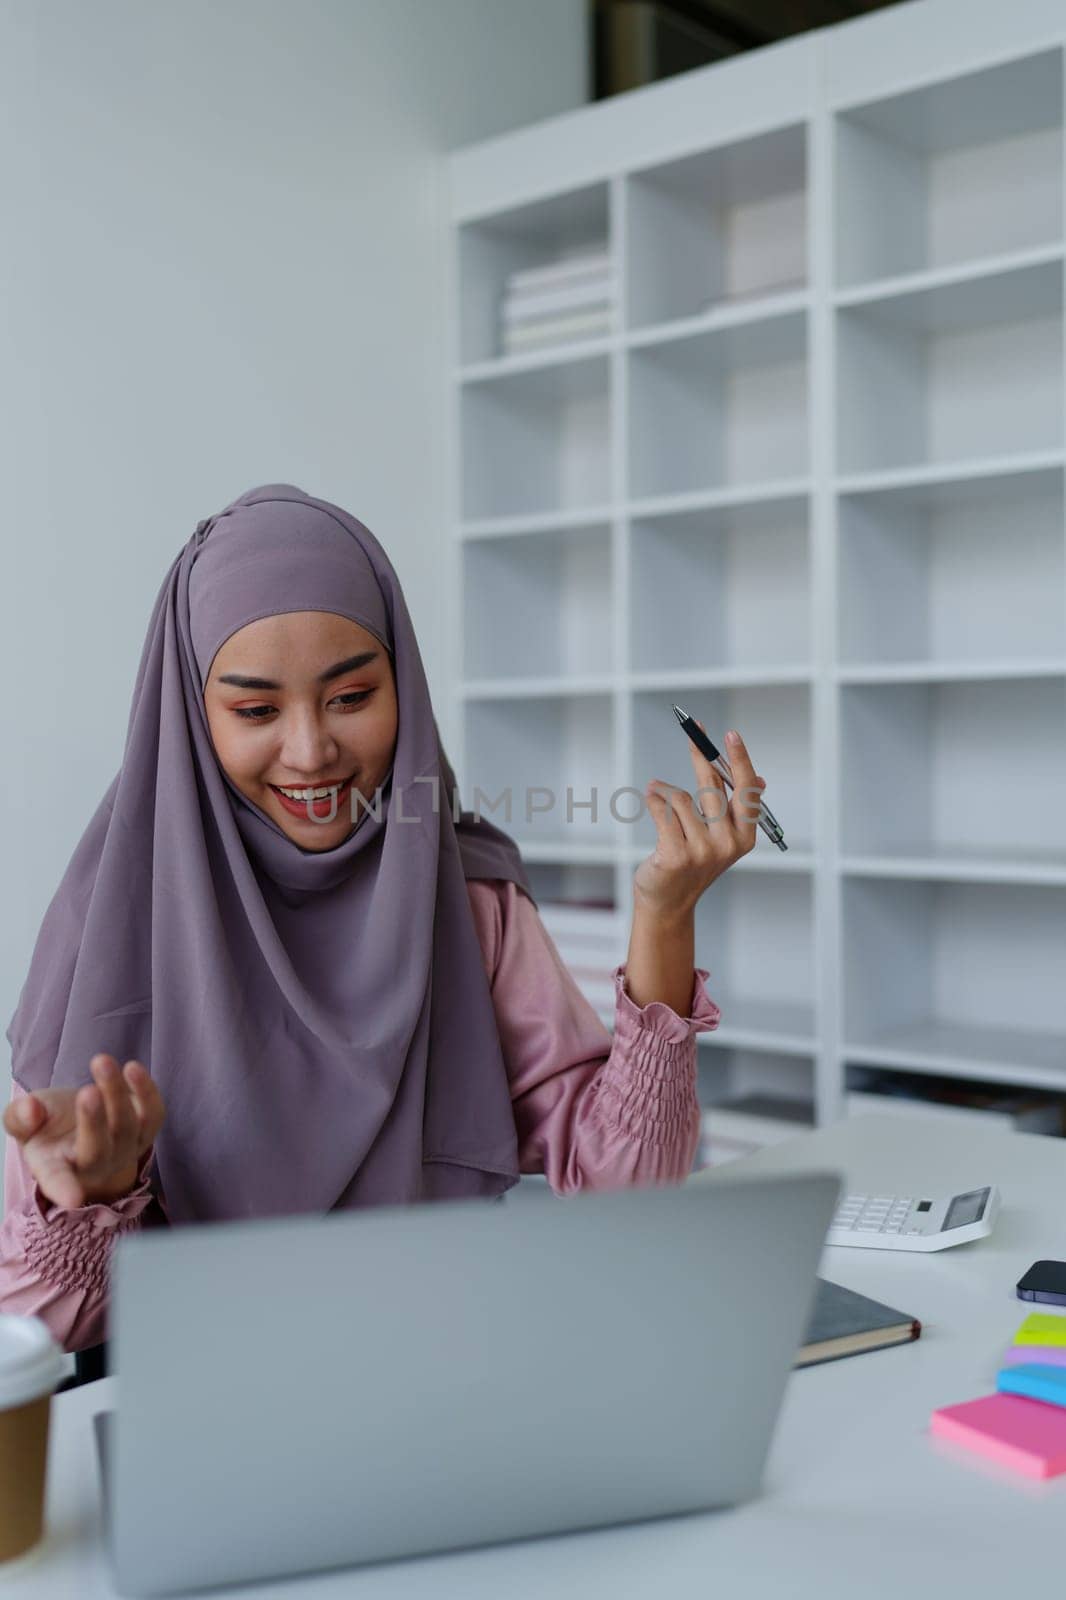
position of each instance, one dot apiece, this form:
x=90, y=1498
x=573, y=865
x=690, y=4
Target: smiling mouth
x=318, y=808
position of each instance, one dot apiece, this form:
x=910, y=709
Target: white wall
x=223, y=243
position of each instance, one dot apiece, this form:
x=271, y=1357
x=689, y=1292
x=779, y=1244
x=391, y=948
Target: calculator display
x=965, y=1208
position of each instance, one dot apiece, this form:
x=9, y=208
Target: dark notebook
x=843, y=1323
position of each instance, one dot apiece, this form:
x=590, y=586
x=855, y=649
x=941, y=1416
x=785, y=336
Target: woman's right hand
x=85, y=1145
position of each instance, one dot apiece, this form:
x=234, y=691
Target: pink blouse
x=591, y=1112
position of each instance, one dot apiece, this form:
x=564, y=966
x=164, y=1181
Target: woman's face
x=303, y=701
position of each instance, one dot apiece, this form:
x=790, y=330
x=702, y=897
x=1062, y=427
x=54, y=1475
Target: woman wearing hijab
x=244, y=1004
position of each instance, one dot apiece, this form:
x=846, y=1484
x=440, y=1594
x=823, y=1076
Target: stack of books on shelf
x=573, y=298
x=746, y=1123
x=590, y=940
x=929, y=1095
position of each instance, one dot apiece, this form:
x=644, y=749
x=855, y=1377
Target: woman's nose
x=308, y=747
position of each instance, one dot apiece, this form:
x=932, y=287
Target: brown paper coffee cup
x=31, y=1366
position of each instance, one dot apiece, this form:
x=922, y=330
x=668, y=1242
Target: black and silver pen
x=766, y=819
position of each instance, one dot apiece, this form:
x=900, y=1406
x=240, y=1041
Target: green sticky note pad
x=1042, y=1328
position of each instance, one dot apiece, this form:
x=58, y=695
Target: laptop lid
x=322, y=1391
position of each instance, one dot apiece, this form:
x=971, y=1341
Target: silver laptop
x=316, y=1392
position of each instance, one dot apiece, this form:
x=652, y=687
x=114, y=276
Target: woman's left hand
x=695, y=846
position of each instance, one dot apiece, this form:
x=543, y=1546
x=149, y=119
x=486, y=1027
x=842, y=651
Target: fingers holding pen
x=703, y=766
x=734, y=774
x=711, y=793
x=747, y=786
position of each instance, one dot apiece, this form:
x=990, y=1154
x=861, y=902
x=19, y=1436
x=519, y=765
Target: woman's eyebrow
x=351, y=665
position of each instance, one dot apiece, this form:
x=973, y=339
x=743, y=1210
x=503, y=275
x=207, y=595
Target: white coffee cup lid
x=31, y=1362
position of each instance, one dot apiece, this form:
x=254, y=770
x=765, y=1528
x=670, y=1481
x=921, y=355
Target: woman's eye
x=353, y=700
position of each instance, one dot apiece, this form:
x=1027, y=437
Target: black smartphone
x=1045, y=1280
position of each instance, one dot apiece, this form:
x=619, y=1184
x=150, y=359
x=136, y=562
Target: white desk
x=858, y=1498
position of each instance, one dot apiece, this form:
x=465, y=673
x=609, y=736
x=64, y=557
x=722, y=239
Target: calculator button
x=892, y=1227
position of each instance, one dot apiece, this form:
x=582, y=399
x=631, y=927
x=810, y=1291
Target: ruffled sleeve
x=55, y=1260
x=591, y=1111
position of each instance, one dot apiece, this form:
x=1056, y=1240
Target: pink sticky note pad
x=1045, y=1355
x=1026, y=1435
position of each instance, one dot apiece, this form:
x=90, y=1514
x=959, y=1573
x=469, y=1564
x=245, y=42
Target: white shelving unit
x=809, y=484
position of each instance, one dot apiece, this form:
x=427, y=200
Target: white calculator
x=911, y=1222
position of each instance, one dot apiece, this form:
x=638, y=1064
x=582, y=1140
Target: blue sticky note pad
x=1034, y=1382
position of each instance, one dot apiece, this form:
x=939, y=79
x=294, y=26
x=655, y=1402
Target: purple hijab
x=319, y=1022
